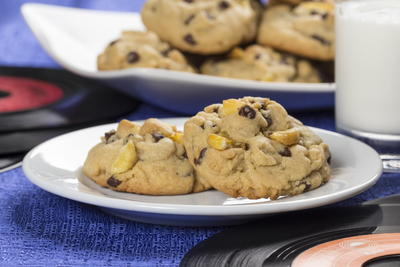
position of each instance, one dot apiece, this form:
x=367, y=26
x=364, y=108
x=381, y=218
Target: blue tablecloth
x=41, y=229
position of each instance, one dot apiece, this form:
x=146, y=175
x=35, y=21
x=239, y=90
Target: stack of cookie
x=234, y=38
x=248, y=147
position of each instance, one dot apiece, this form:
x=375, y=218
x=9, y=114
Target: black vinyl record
x=22, y=141
x=37, y=104
x=37, y=98
x=278, y=240
x=10, y=161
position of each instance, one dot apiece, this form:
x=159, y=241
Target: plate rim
x=235, y=84
x=107, y=201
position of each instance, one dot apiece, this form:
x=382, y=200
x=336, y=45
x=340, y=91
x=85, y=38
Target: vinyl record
x=37, y=98
x=8, y=162
x=23, y=141
x=23, y=94
x=351, y=251
x=278, y=240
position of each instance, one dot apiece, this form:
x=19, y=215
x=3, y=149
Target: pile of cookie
x=241, y=39
x=248, y=147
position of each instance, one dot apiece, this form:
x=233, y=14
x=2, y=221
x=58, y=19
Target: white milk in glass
x=368, y=66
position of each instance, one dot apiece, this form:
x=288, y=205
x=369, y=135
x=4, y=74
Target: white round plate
x=56, y=165
x=75, y=46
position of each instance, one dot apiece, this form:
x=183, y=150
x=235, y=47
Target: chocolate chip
x=223, y=5
x=285, y=152
x=320, y=39
x=184, y=155
x=313, y=13
x=188, y=1
x=202, y=126
x=132, y=57
x=263, y=106
x=324, y=16
x=201, y=156
x=189, y=19
x=216, y=110
x=268, y=119
x=166, y=52
x=247, y=112
x=307, y=186
x=113, y=42
x=189, y=39
x=246, y=146
x=108, y=135
x=113, y=182
x=257, y=56
x=157, y=137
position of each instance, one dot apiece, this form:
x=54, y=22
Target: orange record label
x=350, y=251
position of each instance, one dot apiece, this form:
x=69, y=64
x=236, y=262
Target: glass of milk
x=367, y=71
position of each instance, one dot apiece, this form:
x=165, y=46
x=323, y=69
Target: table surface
x=38, y=228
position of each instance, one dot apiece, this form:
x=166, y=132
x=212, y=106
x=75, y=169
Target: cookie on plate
x=136, y=49
x=148, y=159
x=251, y=147
x=262, y=64
x=203, y=26
x=306, y=30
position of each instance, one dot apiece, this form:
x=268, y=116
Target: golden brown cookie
x=203, y=26
x=261, y=63
x=306, y=30
x=148, y=159
x=251, y=147
x=136, y=49
x=296, y=2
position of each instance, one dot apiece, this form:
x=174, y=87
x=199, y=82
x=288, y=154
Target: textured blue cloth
x=41, y=229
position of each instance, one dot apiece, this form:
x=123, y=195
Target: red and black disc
x=22, y=94
x=39, y=98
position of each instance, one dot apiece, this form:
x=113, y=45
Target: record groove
x=277, y=240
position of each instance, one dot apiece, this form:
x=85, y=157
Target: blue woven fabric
x=41, y=229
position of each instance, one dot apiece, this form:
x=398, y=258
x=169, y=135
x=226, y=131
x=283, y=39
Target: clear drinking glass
x=367, y=73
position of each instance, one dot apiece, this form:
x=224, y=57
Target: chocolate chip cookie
x=251, y=147
x=306, y=29
x=262, y=64
x=203, y=26
x=296, y=2
x=148, y=159
x=136, y=49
